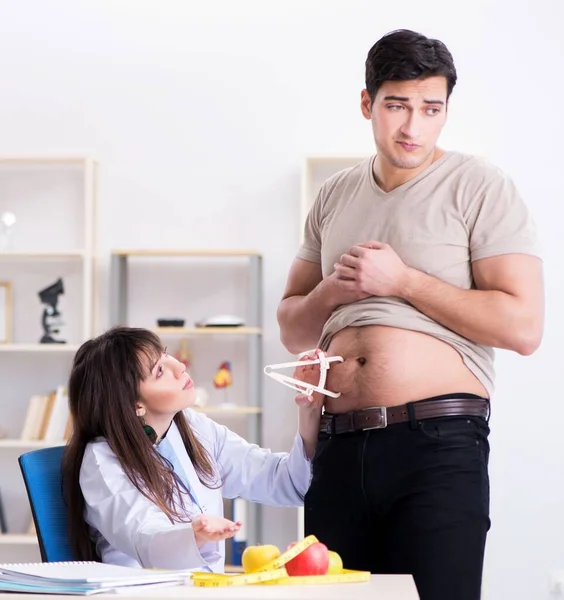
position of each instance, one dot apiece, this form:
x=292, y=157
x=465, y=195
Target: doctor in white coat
x=144, y=475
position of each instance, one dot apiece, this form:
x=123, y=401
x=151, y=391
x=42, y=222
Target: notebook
x=85, y=578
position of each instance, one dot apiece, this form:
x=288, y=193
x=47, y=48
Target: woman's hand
x=309, y=374
x=210, y=528
x=310, y=406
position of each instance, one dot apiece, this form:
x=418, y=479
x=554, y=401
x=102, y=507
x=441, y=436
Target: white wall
x=200, y=122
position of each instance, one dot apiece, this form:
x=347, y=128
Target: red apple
x=314, y=560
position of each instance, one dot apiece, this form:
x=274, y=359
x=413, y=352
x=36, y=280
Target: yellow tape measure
x=221, y=580
x=274, y=573
x=346, y=576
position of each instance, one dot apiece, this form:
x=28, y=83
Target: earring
x=149, y=431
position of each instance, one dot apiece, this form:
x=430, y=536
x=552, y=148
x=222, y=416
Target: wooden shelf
x=15, y=443
x=19, y=538
x=71, y=182
x=234, y=410
x=184, y=252
x=43, y=160
x=38, y=347
x=47, y=254
x=207, y=330
x=248, y=334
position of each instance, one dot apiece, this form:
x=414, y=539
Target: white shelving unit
x=196, y=331
x=23, y=539
x=54, y=200
x=191, y=284
x=21, y=347
x=27, y=444
x=315, y=170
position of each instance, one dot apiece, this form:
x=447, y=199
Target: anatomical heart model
x=223, y=378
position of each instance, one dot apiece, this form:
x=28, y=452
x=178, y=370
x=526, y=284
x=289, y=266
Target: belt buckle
x=328, y=427
x=383, y=418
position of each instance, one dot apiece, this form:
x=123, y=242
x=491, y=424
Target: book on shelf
x=235, y=509
x=31, y=530
x=3, y=526
x=84, y=578
x=47, y=417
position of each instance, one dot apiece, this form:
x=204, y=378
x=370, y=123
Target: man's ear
x=366, y=104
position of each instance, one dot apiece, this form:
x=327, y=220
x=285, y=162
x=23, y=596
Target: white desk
x=382, y=587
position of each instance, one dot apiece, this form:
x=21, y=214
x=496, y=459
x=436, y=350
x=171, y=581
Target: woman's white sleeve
x=254, y=473
x=130, y=522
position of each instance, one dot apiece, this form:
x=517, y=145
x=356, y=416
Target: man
x=415, y=264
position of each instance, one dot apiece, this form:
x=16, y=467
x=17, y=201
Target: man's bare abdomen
x=386, y=366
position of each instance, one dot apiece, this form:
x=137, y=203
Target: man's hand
x=372, y=269
x=210, y=528
x=342, y=290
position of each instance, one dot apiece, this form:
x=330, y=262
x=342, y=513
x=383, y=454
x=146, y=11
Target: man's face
x=407, y=119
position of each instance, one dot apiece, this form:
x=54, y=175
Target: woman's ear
x=140, y=410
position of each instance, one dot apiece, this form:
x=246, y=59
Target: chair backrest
x=41, y=471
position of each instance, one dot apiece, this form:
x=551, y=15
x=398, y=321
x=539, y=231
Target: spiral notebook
x=83, y=578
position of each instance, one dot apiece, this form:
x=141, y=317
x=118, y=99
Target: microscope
x=50, y=320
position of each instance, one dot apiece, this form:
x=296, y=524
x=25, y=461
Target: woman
x=144, y=475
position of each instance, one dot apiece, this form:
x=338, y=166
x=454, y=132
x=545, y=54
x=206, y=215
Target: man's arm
x=304, y=308
x=308, y=301
x=506, y=311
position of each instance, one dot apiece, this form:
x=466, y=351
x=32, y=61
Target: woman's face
x=168, y=389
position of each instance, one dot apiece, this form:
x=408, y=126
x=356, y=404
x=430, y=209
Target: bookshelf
x=10, y=254
x=25, y=445
x=34, y=348
x=54, y=200
x=23, y=539
x=195, y=331
x=150, y=284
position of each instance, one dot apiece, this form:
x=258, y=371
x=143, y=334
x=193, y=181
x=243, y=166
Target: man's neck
x=388, y=177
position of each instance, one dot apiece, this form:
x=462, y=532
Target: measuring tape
x=346, y=576
x=274, y=573
x=222, y=580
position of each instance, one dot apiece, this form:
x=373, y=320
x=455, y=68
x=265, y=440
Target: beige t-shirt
x=458, y=210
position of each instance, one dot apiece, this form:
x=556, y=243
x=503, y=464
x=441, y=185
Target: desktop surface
x=382, y=587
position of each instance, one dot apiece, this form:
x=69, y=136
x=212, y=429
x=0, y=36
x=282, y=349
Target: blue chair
x=41, y=471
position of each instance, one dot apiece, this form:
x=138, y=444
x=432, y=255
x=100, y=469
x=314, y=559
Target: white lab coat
x=130, y=530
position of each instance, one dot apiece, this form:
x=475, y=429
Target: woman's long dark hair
x=104, y=387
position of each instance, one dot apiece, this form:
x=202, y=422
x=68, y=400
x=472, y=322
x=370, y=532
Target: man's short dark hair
x=403, y=55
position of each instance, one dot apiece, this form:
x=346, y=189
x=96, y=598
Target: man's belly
x=386, y=366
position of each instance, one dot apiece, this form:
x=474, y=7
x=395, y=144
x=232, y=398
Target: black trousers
x=412, y=498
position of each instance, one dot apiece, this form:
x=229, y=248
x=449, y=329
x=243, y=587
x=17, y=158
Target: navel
x=361, y=361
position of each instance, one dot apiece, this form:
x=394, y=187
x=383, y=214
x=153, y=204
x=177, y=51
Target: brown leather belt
x=378, y=417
